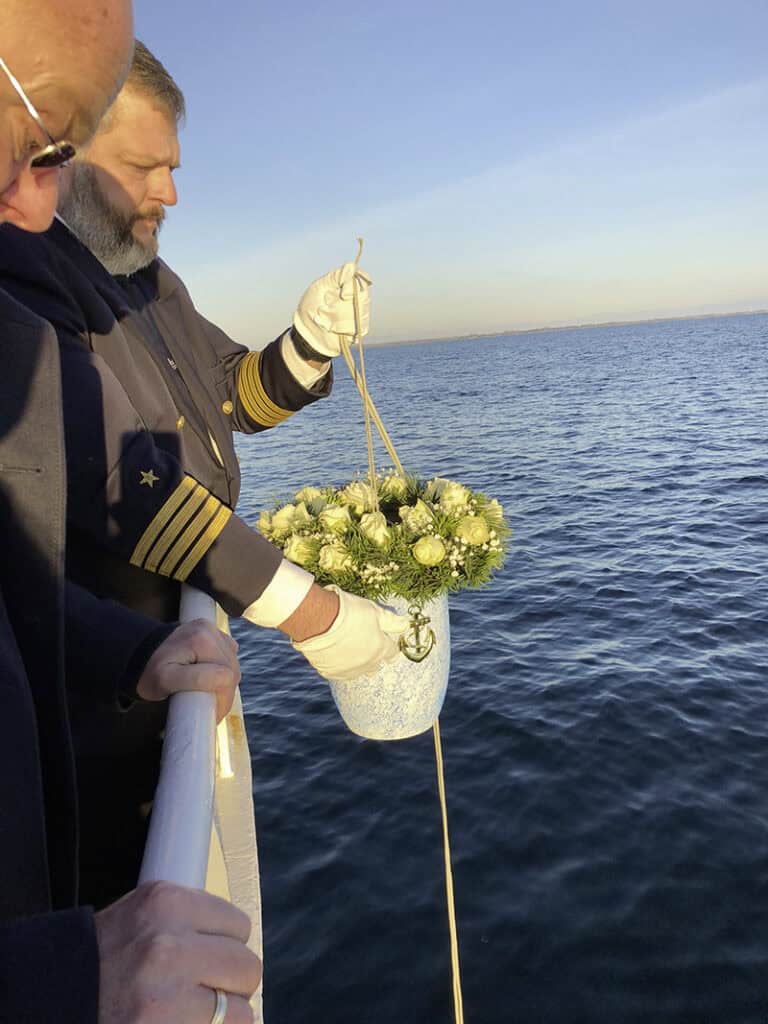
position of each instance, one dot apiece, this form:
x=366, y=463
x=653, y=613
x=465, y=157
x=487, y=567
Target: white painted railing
x=180, y=827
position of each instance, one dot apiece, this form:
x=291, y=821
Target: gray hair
x=147, y=75
x=150, y=78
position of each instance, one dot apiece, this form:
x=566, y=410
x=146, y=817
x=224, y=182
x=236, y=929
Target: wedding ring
x=220, y=1012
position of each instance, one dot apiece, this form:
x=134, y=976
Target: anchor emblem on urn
x=419, y=639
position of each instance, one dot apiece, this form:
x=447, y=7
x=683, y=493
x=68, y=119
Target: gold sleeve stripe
x=157, y=524
x=185, y=540
x=173, y=529
x=256, y=402
x=204, y=542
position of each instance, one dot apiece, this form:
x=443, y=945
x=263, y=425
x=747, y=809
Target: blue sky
x=509, y=164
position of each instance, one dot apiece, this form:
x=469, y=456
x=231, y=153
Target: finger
x=238, y=1009
x=332, y=303
x=320, y=318
x=178, y=907
x=346, y=275
x=392, y=623
x=341, y=319
x=228, y=648
x=364, y=282
x=201, y=677
x=224, y=701
x=207, y=630
x=226, y=964
x=209, y=643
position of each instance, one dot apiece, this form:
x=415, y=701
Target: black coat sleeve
x=49, y=969
x=107, y=647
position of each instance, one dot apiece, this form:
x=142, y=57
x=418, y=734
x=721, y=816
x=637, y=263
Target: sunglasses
x=55, y=154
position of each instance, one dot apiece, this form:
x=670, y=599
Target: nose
x=29, y=201
x=164, y=190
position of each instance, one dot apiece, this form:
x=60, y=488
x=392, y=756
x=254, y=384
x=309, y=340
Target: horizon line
x=566, y=327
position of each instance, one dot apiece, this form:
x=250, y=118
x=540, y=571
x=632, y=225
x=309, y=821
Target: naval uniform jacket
x=48, y=952
x=152, y=394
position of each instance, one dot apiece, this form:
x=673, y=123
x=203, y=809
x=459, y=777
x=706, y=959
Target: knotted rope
x=372, y=416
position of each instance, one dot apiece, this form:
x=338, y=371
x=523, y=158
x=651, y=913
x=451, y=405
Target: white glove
x=327, y=310
x=362, y=636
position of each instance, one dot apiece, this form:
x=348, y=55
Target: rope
x=366, y=403
x=370, y=410
x=458, y=1005
x=371, y=414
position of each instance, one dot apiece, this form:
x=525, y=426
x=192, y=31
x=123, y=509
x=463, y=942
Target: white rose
x=335, y=518
x=416, y=518
x=374, y=526
x=264, y=524
x=494, y=513
x=429, y=550
x=434, y=488
x=282, y=520
x=334, y=558
x=473, y=529
x=301, y=516
x=359, y=495
x=393, y=486
x=308, y=494
x=299, y=550
x=453, y=496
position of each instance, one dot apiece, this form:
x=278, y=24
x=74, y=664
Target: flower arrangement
x=406, y=538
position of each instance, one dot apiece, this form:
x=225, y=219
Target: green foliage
x=423, y=539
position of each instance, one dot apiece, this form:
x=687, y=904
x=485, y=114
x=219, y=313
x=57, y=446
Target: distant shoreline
x=568, y=327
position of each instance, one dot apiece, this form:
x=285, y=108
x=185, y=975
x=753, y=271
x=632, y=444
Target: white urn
x=401, y=698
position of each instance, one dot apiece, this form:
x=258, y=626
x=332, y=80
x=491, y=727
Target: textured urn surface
x=403, y=698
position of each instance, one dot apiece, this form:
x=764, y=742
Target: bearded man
x=151, y=508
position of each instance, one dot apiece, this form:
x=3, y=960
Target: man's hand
x=163, y=949
x=360, y=638
x=326, y=309
x=196, y=656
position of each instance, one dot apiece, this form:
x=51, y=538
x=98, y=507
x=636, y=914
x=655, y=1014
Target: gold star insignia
x=148, y=477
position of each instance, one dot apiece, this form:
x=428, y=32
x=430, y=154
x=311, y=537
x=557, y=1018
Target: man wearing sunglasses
x=60, y=66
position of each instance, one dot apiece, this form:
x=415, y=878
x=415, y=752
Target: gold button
x=227, y=407
x=180, y=422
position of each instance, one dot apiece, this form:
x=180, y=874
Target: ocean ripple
x=606, y=726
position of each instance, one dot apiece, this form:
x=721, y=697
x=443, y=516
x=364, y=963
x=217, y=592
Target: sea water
x=605, y=731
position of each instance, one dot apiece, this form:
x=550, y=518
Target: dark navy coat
x=48, y=953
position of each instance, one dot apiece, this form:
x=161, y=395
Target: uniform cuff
x=280, y=599
x=138, y=662
x=300, y=369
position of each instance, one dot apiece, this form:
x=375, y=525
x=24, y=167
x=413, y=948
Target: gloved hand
x=327, y=310
x=362, y=636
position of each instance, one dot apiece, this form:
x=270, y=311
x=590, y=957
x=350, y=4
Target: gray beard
x=101, y=228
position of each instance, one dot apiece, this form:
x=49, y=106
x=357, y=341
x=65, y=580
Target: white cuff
x=283, y=595
x=305, y=374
